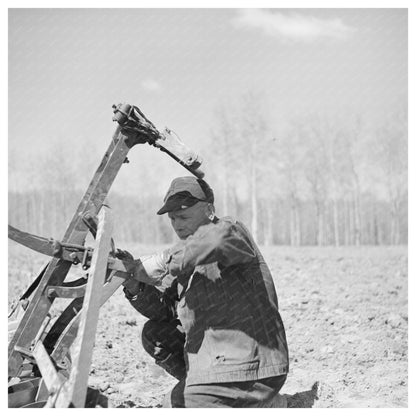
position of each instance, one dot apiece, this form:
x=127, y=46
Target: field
x=346, y=318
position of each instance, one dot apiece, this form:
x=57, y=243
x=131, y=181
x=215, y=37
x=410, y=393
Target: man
x=212, y=306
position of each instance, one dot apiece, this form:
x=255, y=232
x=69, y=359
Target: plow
x=49, y=358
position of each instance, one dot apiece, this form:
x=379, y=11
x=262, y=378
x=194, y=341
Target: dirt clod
x=347, y=334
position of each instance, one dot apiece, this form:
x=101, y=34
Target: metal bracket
x=36, y=346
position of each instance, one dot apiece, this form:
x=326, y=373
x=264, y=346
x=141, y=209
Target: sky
x=68, y=66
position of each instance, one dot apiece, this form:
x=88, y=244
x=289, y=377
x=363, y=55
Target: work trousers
x=256, y=393
x=164, y=340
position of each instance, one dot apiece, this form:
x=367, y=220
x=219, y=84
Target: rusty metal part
x=22, y=393
x=75, y=234
x=75, y=389
x=62, y=353
x=132, y=119
x=53, y=379
x=66, y=292
x=67, y=336
x=76, y=254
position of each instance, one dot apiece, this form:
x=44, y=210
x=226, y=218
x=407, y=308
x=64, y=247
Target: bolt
x=74, y=258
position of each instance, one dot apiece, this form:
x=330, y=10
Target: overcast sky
x=67, y=67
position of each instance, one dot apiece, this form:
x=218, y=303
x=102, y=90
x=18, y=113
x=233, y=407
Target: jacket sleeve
x=224, y=242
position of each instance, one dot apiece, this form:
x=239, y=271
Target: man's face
x=186, y=221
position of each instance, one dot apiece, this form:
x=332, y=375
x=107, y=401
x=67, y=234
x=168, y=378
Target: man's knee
x=164, y=342
x=158, y=336
x=150, y=336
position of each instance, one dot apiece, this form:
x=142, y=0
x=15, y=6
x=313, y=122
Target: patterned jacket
x=228, y=306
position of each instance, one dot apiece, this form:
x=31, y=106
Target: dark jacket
x=228, y=306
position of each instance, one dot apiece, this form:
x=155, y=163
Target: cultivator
x=49, y=359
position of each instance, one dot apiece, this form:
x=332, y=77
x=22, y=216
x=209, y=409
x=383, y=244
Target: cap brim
x=176, y=203
x=172, y=206
x=163, y=210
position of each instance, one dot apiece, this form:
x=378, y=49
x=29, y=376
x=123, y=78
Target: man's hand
x=131, y=285
x=152, y=269
x=124, y=255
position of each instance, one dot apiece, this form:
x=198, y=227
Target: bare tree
x=224, y=136
x=353, y=147
x=292, y=148
x=391, y=149
x=253, y=132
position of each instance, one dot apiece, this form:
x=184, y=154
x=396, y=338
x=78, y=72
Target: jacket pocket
x=231, y=347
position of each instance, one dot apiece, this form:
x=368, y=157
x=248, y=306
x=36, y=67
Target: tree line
x=336, y=180
x=323, y=181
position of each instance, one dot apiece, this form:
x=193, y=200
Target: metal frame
x=51, y=360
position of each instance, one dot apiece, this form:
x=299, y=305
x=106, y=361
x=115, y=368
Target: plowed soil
x=345, y=313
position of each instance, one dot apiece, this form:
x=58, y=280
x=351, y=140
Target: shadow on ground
x=303, y=399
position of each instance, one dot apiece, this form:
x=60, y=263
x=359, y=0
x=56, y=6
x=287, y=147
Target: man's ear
x=210, y=211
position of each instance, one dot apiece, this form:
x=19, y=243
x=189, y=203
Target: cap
x=185, y=192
